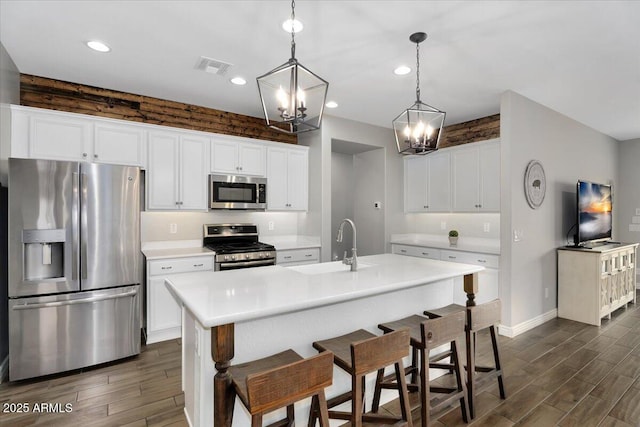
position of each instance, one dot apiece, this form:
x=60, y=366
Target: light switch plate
x=173, y=228
x=272, y=226
x=443, y=225
x=487, y=227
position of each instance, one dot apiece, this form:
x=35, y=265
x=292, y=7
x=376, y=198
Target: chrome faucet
x=353, y=261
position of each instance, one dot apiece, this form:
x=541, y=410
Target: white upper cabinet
x=46, y=134
x=476, y=177
x=287, y=179
x=58, y=136
x=118, y=143
x=178, y=171
x=233, y=157
x=427, y=181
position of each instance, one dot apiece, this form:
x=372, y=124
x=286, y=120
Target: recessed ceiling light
x=331, y=104
x=238, y=81
x=294, y=24
x=98, y=46
x=402, y=70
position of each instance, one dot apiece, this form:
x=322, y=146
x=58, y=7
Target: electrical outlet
x=443, y=225
x=377, y=205
x=173, y=228
x=272, y=226
x=517, y=235
x=487, y=227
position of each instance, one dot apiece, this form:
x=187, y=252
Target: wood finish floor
x=561, y=373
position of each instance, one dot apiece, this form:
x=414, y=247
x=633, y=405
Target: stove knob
x=247, y=256
x=233, y=257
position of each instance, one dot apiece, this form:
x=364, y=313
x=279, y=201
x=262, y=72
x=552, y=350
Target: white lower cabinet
x=164, y=315
x=292, y=257
x=488, y=279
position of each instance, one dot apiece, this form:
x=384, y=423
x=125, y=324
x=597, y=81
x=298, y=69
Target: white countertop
x=467, y=244
x=217, y=298
x=286, y=242
x=174, y=249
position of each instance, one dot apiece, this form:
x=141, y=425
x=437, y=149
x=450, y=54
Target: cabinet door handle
x=95, y=156
x=198, y=265
x=167, y=268
x=84, y=154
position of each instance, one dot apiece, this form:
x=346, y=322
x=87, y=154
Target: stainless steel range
x=237, y=246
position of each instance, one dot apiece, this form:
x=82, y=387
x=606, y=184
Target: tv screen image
x=594, y=211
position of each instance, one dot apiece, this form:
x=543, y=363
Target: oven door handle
x=247, y=263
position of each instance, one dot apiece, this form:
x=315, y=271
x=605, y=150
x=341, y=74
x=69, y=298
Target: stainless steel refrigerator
x=74, y=265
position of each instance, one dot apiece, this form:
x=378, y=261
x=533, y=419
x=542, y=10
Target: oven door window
x=230, y=192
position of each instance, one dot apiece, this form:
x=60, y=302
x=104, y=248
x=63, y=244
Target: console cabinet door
x=415, y=184
x=224, y=157
x=229, y=157
x=164, y=311
x=251, y=159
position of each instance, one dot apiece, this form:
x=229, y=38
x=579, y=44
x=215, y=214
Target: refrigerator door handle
x=83, y=226
x=29, y=306
x=75, y=226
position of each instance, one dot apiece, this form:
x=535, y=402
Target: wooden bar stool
x=360, y=353
x=479, y=318
x=279, y=381
x=427, y=334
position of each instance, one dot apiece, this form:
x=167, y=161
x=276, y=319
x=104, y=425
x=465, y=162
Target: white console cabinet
x=164, y=314
x=594, y=282
x=288, y=178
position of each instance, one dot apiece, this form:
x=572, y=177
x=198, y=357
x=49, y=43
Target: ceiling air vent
x=212, y=66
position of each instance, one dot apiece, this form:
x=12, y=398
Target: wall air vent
x=212, y=66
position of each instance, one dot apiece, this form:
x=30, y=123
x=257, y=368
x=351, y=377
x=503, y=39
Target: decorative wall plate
x=535, y=184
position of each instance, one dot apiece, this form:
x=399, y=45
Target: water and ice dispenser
x=43, y=254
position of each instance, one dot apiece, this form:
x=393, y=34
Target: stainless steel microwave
x=237, y=192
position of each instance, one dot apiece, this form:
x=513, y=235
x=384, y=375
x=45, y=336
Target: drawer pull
x=167, y=268
x=198, y=265
x=484, y=261
x=425, y=253
x=308, y=255
x=404, y=251
x=287, y=257
x=452, y=257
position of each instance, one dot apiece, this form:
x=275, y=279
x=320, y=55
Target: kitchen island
x=251, y=313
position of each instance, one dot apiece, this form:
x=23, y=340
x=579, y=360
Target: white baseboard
x=4, y=369
x=512, y=331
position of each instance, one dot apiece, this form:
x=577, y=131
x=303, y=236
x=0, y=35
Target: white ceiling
x=581, y=58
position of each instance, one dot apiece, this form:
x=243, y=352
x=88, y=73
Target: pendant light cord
x=293, y=32
x=418, y=72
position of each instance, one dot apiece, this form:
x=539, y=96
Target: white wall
x=155, y=225
x=568, y=151
x=320, y=206
x=627, y=195
x=9, y=94
x=342, y=190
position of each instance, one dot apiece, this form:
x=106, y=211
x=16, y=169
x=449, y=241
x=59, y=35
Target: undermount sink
x=328, y=267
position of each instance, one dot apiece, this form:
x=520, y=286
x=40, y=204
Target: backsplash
x=467, y=224
x=157, y=226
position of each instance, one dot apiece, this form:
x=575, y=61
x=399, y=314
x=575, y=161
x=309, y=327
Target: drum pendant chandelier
x=292, y=96
x=418, y=128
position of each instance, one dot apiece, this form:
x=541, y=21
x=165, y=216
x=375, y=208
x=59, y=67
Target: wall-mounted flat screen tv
x=594, y=212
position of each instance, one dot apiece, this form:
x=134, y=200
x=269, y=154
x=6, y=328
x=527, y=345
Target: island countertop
x=222, y=297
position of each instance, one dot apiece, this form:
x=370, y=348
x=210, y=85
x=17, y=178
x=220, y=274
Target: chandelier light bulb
x=282, y=98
